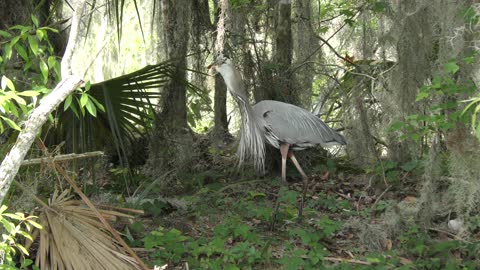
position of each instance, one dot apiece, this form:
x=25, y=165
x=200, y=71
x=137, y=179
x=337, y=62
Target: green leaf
x=421, y=95
x=8, y=51
x=451, y=67
x=11, y=123
x=5, y=34
x=50, y=29
x=14, y=41
x=22, y=249
x=2, y=209
x=28, y=65
x=35, y=20
x=68, y=102
x=6, y=82
x=33, y=44
x=469, y=59
x=44, y=70
x=26, y=235
x=436, y=82
x=29, y=93
x=91, y=108
x=40, y=34
x=83, y=100
x=97, y=104
x=12, y=216
x=21, y=51
x=13, y=110
x=35, y=224
x=87, y=86
x=8, y=226
x=52, y=62
x=26, y=263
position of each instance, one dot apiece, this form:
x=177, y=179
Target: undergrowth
x=227, y=226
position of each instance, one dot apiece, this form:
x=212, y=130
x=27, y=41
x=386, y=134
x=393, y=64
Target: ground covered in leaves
x=352, y=220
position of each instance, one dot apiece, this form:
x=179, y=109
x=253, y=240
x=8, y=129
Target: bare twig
x=381, y=195
x=121, y=209
x=65, y=157
x=454, y=236
x=332, y=259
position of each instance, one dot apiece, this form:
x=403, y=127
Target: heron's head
x=222, y=64
x=231, y=76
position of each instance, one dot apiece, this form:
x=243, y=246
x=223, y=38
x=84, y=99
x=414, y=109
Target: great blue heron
x=282, y=125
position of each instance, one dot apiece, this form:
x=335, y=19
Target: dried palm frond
x=73, y=238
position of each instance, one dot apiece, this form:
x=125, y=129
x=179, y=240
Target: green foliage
x=84, y=100
x=19, y=228
x=29, y=46
x=171, y=243
x=444, y=116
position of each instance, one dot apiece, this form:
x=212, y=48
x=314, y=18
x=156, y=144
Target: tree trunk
x=220, y=121
x=303, y=47
x=415, y=51
x=282, y=55
x=172, y=139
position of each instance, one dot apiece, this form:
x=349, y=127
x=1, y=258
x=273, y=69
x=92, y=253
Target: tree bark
x=283, y=53
x=172, y=139
x=303, y=47
x=220, y=121
x=39, y=116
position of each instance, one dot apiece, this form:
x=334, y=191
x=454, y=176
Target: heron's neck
x=234, y=82
x=252, y=145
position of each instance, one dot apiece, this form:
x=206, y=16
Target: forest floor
x=352, y=220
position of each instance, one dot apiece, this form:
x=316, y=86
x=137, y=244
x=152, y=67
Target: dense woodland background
x=399, y=79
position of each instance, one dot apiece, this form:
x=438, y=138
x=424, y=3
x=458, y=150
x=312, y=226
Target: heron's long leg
x=305, y=183
x=284, y=151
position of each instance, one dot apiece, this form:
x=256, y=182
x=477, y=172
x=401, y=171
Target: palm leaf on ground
x=73, y=238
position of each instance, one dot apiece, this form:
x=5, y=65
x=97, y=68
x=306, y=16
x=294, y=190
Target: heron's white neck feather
x=232, y=78
x=252, y=141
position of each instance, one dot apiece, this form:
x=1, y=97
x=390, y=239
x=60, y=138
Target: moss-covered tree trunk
x=172, y=140
x=304, y=44
x=220, y=121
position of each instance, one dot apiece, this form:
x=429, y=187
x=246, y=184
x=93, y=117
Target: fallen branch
x=332, y=259
x=59, y=158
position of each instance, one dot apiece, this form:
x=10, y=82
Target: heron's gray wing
x=294, y=125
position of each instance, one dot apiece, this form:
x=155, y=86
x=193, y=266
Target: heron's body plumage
x=284, y=123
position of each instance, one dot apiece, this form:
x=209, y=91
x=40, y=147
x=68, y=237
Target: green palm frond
x=129, y=111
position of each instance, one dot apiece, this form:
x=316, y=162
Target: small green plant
x=10, y=246
x=170, y=244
